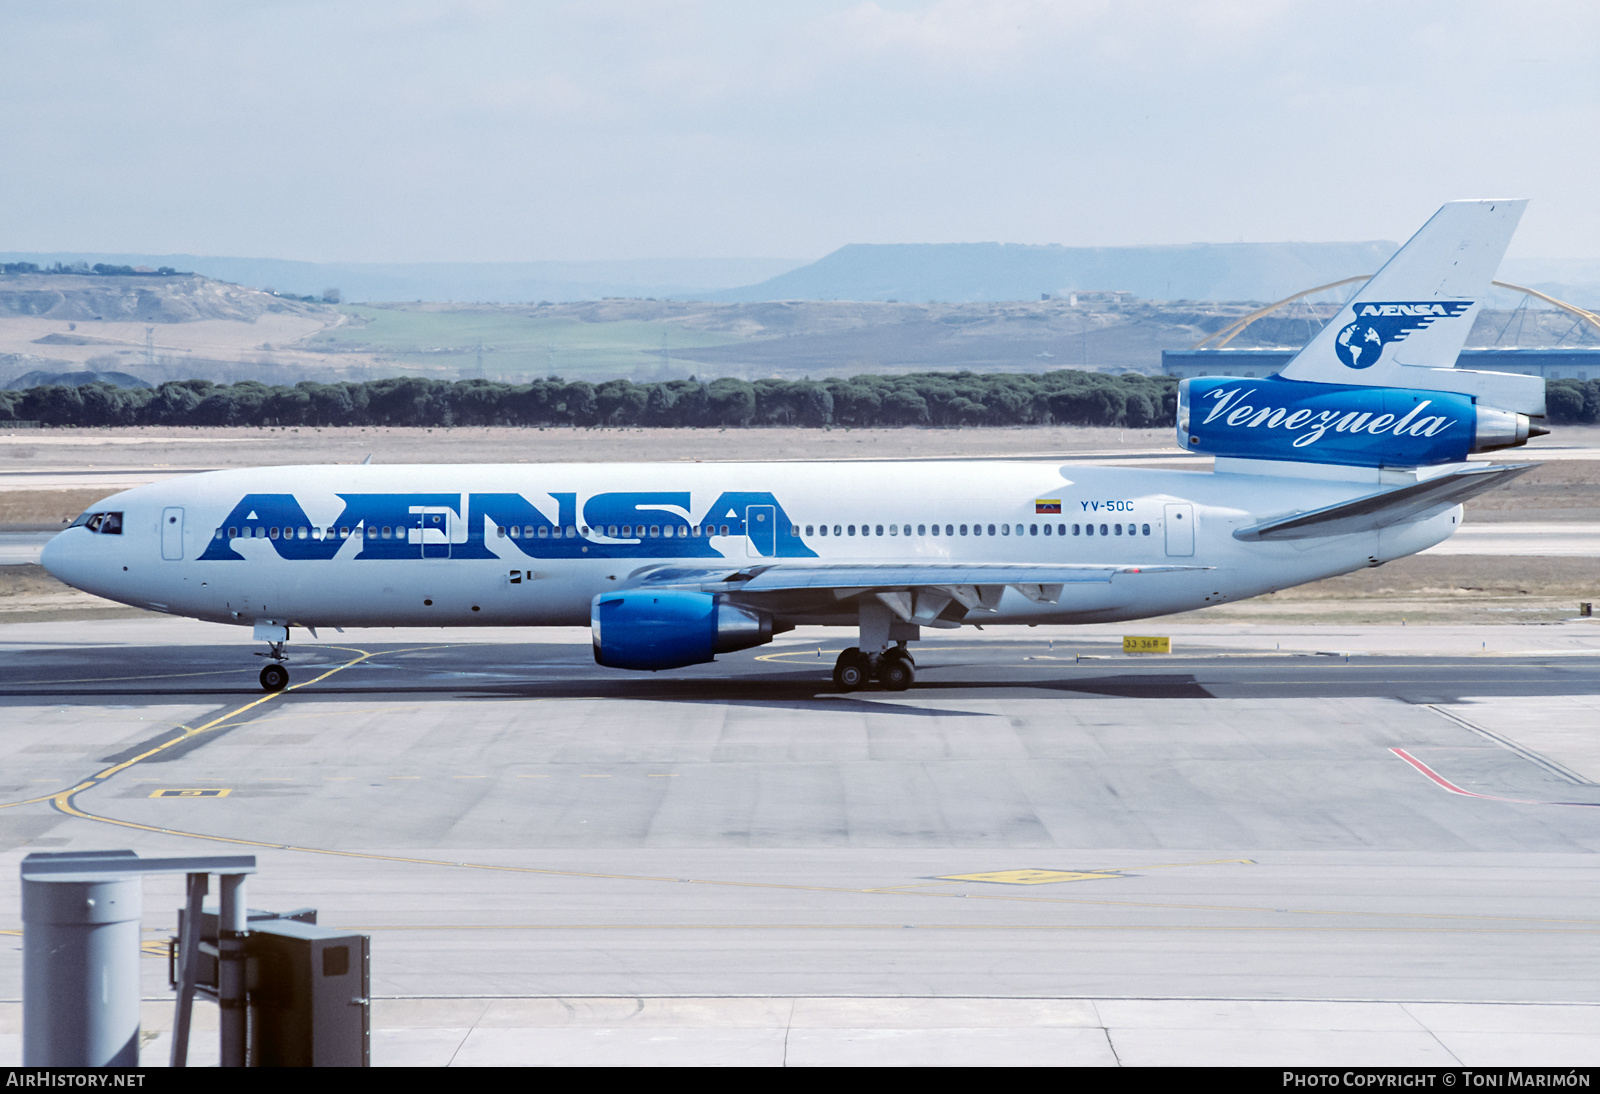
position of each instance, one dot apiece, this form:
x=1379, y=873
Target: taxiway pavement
x=1277, y=845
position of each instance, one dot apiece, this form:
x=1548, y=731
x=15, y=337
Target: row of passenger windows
x=613, y=531
x=976, y=529
x=627, y=531
x=263, y=532
x=112, y=524
x=656, y=531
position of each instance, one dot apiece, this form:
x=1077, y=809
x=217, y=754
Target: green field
x=519, y=346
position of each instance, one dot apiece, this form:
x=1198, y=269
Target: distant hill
x=179, y=298
x=74, y=379
x=976, y=272
x=909, y=273
x=488, y=282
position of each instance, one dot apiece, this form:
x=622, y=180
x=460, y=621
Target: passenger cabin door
x=432, y=530
x=1180, y=530
x=761, y=530
x=172, y=534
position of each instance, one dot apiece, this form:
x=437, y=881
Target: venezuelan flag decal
x=1047, y=505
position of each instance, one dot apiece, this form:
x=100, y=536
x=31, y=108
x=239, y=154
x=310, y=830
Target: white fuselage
x=532, y=545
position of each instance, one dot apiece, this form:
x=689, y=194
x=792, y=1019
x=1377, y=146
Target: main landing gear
x=880, y=653
x=893, y=669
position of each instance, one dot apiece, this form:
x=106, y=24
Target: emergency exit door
x=761, y=530
x=1180, y=530
x=432, y=530
x=172, y=534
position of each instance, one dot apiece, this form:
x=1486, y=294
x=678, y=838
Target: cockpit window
x=106, y=524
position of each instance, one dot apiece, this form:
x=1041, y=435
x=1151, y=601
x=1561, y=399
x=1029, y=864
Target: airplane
x=1355, y=454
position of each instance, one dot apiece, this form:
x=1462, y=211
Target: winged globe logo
x=1361, y=343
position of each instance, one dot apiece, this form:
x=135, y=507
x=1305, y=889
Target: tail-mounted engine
x=1277, y=419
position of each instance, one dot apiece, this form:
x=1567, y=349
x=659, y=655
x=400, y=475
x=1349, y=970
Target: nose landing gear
x=274, y=678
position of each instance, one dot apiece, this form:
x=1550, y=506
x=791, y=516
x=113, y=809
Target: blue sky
x=488, y=131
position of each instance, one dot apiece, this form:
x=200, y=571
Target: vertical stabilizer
x=1417, y=311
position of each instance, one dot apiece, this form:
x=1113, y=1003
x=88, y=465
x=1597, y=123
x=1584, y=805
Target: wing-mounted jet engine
x=670, y=628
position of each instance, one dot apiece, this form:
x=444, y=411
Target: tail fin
x=1378, y=386
x=1417, y=311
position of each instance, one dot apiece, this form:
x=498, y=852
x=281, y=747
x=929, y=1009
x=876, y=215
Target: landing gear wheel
x=851, y=671
x=896, y=673
x=274, y=678
x=899, y=652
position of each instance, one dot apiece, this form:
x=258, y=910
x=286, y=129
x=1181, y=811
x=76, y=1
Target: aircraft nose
x=56, y=556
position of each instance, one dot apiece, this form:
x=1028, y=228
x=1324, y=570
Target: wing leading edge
x=926, y=594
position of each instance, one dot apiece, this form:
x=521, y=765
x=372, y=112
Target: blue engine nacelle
x=670, y=628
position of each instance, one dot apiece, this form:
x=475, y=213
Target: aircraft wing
x=924, y=593
x=1380, y=510
x=790, y=576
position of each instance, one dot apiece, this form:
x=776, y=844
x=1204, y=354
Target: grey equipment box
x=309, y=1002
x=205, y=980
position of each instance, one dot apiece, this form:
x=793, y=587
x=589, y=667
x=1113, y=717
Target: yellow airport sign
x=1132, y=643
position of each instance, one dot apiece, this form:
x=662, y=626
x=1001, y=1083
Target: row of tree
x=1569, y=402
x=930, y=398
x=1065, y=396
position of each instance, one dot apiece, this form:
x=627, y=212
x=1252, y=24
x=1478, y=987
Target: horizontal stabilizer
x=1387, y=507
